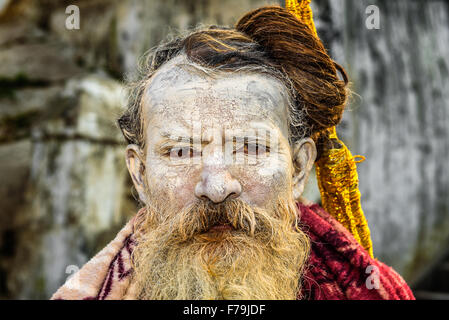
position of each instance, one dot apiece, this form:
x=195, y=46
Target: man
x=223, y=130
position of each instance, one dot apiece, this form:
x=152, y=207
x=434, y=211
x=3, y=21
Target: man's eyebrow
x=251, y=137
x=266, y=141
x=170, y=136
x=175, y=137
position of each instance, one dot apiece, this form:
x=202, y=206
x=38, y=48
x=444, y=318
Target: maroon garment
x=339, y=268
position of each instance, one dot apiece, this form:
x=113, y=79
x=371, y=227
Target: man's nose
x=217, y=185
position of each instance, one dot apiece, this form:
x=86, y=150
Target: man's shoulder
x=339, y=267
x=106, y=275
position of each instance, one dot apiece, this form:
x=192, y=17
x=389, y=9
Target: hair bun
x=294, y=48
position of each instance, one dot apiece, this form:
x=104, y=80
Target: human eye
x=253, y=148
x=181, y=152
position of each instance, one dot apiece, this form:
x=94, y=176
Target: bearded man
x=223, y=130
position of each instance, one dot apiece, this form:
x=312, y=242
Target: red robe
x=339, y=268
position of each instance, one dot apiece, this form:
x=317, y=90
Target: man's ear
x=136, y=167
x=303, y=156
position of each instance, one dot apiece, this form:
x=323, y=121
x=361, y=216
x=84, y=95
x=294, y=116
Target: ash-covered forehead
x=181, y=86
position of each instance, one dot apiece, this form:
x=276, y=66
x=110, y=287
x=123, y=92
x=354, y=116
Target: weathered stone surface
x=87, y=107
x=21, y=109
x=84, y=107
x=75, y=196
x=74, y=190
x=15, y=159
x=399, y=120
x=37, y=63
x=17, y=32
x=94, y=43
x=4, y=4
x=21, y=101
x=13, y=10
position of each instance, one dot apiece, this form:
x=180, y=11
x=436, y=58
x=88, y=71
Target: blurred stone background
x=65, y=191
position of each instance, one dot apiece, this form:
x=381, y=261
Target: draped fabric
x=339, y=268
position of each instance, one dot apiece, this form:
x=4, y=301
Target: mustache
x=203, y=215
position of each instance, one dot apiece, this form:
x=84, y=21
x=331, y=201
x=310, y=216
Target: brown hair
x=276, y=42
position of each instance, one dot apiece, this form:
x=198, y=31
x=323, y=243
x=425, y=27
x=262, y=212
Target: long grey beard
x=262, y=258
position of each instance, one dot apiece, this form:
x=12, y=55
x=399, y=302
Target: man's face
x=216, y=138
x=216, y=173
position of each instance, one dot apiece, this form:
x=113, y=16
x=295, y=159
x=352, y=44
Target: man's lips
x=221, y=228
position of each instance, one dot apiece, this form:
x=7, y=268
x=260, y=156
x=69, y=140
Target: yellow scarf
x=336, y=170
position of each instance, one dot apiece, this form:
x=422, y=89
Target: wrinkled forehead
x=179, y=89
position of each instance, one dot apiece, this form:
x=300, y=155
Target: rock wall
x=398, y=119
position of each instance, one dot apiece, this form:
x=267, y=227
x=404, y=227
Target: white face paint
x=191, y=120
